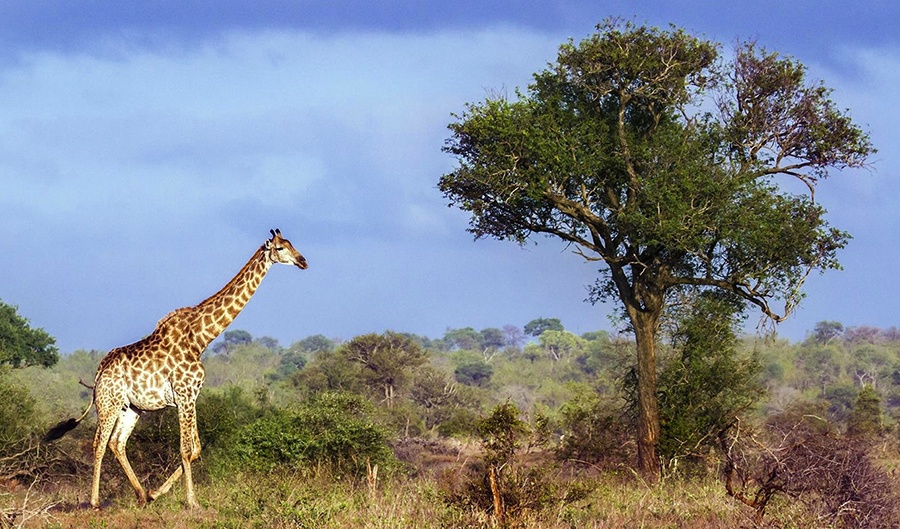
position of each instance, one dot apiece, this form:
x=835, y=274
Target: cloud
x=143, y=159
x=334, y=138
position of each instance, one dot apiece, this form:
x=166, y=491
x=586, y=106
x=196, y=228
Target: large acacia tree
x=670, y=165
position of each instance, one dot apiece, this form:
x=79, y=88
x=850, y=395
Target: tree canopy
x=657, y=157
x=537, y=326
x=20, y=344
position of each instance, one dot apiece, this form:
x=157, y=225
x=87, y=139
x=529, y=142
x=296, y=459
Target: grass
x=313, y=498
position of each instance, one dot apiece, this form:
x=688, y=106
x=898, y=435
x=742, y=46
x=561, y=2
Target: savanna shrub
x=17, y=414
x=462, y=422
x=503, y=480
x=593, y=431
x=332, y=427
x=802, y=456
x=154, y=447
x=222, y=413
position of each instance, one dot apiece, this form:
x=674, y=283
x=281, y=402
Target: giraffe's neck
x=220, y=309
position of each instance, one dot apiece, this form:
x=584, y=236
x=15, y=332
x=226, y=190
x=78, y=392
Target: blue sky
x=146, y=148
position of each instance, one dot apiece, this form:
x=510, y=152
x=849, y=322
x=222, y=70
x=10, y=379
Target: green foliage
x=504, y=485
x=440, y=400
x=291, y=361
x=20, y=344
x=222, y=413
x=248, y=365
x=611, y=149
x=332, y=427
x=313, y=344
x=709, y=384
x=17, y=412
x=609, y=141
x=466, y=338
x=460, y=422
x=593, y=429
x=330, y=371
x=866, y=418
x=562, y=344
x=537, y=326
x=269, y=343
x=386, y=360
x=474, y=373
x=825, y=331
x=502, y=433
x=231, y=340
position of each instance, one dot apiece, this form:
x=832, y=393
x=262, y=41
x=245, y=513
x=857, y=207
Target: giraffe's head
x=280, y=250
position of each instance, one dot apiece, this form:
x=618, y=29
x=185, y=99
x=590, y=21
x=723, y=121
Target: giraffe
x=164, y=369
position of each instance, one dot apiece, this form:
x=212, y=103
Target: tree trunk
x=648, y=405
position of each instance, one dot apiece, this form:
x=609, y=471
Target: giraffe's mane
x=171, y=315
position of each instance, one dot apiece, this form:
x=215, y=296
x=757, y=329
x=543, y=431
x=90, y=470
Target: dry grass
x=310, y=498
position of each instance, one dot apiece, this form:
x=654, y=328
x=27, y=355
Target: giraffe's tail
x=67, y=425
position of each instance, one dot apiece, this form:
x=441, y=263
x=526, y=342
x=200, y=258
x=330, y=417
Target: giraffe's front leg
x=190, y=451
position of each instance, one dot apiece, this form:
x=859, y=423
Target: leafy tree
x=295, y=357
x=441, y=400
x=386, y=360
x=476, y=373
x=20, y=344
x=330, y=371
x=654, y=157
x=230, y=340
x=249, y=366
x=537, y=326
x=313, y=344
x=269, y=343
x=466, y=338
x=291, y=361
x=866, y=417
x=492, y=338
x=825, y=331
x=561, y=344
x=502, y=433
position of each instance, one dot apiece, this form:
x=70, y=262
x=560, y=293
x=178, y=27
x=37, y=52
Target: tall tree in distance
x=661, y=160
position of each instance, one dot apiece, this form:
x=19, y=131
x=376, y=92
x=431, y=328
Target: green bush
x=593, y=431
x=462, y=422
x=332, y=427
x=154, y=447
x=222, y=414
x=17, y=415
x=710, y=382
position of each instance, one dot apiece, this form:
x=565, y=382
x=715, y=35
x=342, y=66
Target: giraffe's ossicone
x=164, y=369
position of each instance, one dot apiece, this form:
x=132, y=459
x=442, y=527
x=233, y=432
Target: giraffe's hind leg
x=127, y=420
x=106, y=422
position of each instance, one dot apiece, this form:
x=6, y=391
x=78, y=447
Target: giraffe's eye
x=279, y=248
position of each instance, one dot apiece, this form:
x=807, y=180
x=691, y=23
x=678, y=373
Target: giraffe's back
x=150, y=372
